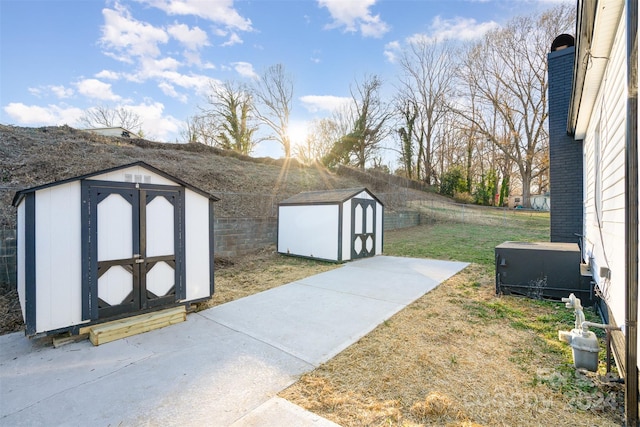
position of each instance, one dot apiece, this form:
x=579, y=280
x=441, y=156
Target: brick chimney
x=565, y=153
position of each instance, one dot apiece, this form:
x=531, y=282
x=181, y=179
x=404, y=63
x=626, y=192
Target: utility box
x=541, y=270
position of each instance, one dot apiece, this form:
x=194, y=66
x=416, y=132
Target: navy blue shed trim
x=211, y=249
x=30, y=267
x=340, y=221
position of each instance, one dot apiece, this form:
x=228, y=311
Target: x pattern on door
x=363, y=219
x=134, y=252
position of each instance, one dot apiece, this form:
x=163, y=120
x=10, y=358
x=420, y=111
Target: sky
x=158, y=58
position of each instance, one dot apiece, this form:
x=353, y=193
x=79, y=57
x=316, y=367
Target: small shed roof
x=325, y=197
x=20, y=194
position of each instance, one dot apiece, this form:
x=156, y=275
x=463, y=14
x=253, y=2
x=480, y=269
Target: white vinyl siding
x=604, y=244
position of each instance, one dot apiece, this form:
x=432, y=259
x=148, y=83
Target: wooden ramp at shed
x=123, y=328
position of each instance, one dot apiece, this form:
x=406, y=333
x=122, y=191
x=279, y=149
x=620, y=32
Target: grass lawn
x=471, y=241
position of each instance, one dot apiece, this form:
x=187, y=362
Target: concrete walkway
x=223, y=366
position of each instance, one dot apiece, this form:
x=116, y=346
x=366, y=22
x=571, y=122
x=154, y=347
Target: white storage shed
x=111, y=244
x=334, y=225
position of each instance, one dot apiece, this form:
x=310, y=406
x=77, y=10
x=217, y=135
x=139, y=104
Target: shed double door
x=363, y=220
x=134, y=249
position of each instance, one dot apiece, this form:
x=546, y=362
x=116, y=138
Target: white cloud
x=316, y=56
x=391, y=50
x=35, y=91
x=245, y=69
x=354, y=15
x=61, y=91
x=197, y=82
x=218, y=11
x=58, y=91
x=457, y=28
x=124, y=36
x=160, y=127
x=151, y=67
x=316, y=103
x=96, y=89
x=170, y=90
x=193, y=38
x=233, y=39
x=107, y=74
x=50, y=115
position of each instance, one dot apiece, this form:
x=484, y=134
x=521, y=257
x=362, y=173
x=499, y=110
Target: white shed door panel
x=160, y=231
x=160, y=278
x=369, y=225
x=115, y=286
x=115, y=228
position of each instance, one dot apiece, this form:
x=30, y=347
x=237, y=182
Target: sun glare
x=298, y=133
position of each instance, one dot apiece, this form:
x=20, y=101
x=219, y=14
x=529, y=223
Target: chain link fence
x=8, y=257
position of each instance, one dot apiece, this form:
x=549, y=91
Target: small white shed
x=335, y=225
x=111, y=244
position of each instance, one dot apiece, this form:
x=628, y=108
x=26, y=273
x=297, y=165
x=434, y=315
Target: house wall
x=565, y=154
x=58, y=253
x=309, y=230
x=604, y=216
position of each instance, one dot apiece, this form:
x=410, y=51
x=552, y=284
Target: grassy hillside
x=35, y=156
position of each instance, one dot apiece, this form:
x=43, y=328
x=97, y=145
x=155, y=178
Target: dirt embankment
x=36, y=156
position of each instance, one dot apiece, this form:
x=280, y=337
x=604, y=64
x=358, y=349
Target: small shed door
x=363, y=220
x=134, y=256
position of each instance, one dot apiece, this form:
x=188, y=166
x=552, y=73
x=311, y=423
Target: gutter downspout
x=631, y=220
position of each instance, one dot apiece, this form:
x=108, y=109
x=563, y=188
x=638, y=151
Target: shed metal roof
x=20, y=194
x=340, y=195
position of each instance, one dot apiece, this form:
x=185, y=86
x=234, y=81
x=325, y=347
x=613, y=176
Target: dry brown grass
x=439, y=363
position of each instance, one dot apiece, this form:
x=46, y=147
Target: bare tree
x=198, y=129
x=229, y=120
x=507, y=72
x=103, y=116
x=427, y=83
x=368, y=117
x=323, y=133
x=409, y=113
x=274, y=93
